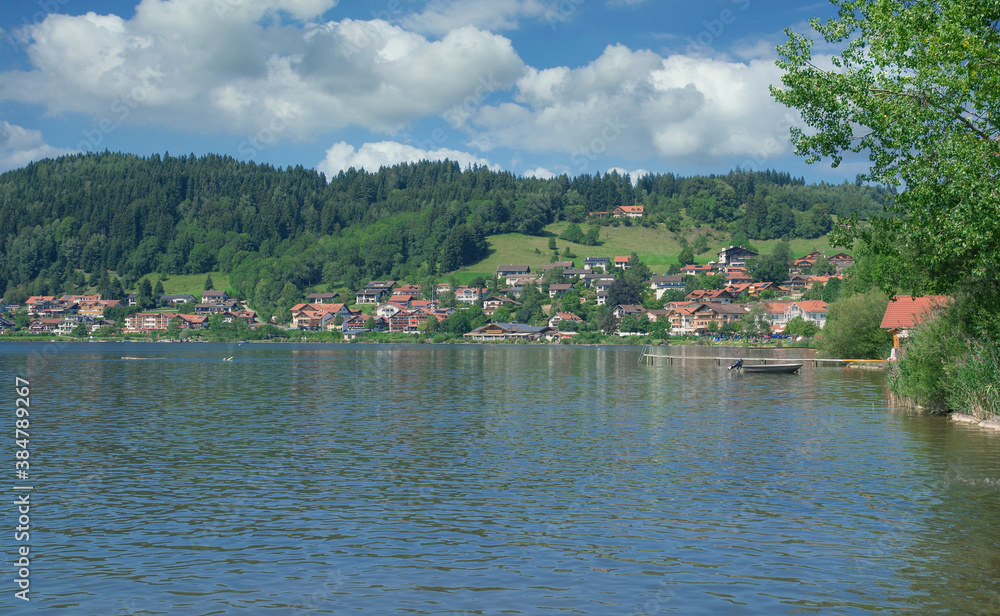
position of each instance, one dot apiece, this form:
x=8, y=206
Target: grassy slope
x=658, y=248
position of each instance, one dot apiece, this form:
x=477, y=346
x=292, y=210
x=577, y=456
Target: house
x=842, y=261
x=217, y=307
x=560, y=265
x=211, y=297
x=603, y=284
x=509, y=272
x=621, y=310
x=492, y=303
x=667, y=283
x=623, y=263
x=559, y=317
x=374, y=292
x=681, y=319
x=6, y=325
x=735, y=256
x=557, y=290
x=812, y=281
x=175, y=300
x=693, y=269
x=408, y=289
x=906, y=312
x=721, y=296
x=796, y=282
x=813, y=311
x=388, y=309
x=573, y=272
x=43, y=326
x=315, y=316
x=470, y=295
x=627, y=211
x=737, y=275
x=148, y=321
x=590, y=263
x=192, y=321
x=492, y=332
x=322, y=298
x=721, y=314
x=602, y=298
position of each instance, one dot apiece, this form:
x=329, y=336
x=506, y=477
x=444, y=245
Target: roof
x=812, y=305
x=906, y=311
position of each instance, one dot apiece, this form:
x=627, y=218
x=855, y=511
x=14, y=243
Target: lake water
x=435, y=479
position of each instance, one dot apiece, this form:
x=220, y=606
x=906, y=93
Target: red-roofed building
x=629, y=211
x=905, y=312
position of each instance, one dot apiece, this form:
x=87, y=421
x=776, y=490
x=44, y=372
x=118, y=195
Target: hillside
x=276, y=233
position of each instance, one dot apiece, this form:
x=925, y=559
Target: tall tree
x=915, y=87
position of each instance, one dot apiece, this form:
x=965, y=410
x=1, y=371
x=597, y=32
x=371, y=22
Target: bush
x=853, y=328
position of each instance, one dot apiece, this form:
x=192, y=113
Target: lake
x=509, y=479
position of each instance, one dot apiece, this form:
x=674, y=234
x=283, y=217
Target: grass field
x=177, y=284
x=658, y=248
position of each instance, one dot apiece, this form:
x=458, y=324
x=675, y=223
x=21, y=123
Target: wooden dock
x=649, y=356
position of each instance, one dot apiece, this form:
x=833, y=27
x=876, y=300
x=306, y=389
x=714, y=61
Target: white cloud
x=639, y=105
x=541, y=173
x=232, y=66
x=633, y=175
x=20, y=146
x=441, y=16
x=371, y=156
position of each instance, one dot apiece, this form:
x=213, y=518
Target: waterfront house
x=147, y=321
x=493, y=332
x=905, y=312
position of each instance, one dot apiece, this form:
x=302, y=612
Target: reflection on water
x=486, y=479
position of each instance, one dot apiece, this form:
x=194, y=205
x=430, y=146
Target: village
x=385, y=306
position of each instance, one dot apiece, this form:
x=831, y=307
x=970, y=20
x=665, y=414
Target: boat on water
x=775, y=368
x=771, y=368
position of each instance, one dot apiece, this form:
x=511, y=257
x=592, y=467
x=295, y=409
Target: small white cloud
x=633, y=175
x=541, y=173
x=20, y=146
x=372, y=156
x=441, y=16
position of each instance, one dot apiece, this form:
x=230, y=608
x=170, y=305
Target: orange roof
x=905, y=311
x=813, y=305
x=779, y=307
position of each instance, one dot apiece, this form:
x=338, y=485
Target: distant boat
x=772, y=368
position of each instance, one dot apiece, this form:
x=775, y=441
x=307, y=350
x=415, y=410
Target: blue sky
x=536, y=87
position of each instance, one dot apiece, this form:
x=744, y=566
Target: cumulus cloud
x=441, y=16
x=633, y=175
x=541, y=173
x=20, y=146
x=371, y=156
x=639, y=105
x=237, y=65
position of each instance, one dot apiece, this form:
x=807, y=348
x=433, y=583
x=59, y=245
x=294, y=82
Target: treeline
x=276, y=231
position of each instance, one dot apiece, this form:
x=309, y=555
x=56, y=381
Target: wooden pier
x=648, y=356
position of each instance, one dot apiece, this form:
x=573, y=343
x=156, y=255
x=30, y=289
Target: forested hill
x=267, y=227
